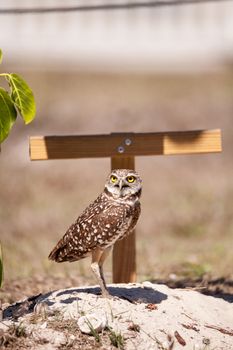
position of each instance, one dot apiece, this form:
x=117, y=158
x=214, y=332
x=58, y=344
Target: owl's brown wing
x=96, y=227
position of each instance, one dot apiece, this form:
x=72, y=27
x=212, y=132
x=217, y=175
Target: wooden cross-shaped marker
x=122, y=148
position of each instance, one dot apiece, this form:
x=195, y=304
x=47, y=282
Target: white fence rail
x=146, y=38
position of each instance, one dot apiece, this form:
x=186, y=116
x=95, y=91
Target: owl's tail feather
x=58, y=254
x=61, y=253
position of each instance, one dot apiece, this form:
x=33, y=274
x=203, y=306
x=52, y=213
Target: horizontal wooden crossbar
x=125, y=144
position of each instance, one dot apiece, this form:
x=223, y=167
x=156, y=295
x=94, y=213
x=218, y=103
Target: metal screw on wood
x=120, y=149
x=128, y=142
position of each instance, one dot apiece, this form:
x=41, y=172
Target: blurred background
x=161, y=66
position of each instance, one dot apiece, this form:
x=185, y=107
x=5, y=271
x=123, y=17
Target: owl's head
x=122, y=183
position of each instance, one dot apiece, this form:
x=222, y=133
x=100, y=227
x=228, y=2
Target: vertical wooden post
x=124, y=251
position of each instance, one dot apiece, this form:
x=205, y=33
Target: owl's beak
x=122, y=184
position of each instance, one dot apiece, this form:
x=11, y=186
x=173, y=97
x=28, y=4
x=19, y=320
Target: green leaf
x=0, y=56
x=1, y=266
x=8, y=114
x=22, y=96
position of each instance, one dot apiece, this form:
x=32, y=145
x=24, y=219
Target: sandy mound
x=140, y=316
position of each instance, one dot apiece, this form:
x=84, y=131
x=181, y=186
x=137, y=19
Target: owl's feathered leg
x=98, y=258
x=101, y=262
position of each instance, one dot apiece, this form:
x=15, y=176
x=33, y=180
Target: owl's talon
x=110, y=297
x=106, y=294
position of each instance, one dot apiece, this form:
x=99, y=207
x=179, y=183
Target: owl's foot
x=106, y=294
x=111, y=297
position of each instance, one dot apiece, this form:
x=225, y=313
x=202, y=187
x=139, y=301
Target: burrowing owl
x=112, y=216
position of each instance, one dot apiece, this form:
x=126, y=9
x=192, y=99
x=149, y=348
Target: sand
x=147, y=316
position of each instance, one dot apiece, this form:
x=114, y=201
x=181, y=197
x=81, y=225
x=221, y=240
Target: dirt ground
x=139, y=316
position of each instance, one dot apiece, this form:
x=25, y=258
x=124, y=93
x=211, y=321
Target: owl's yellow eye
x=131, y=179
x=113, y=179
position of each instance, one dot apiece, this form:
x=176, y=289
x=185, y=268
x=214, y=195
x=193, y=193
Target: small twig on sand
x=160, y=345
x=183, y=313
x=220, y=329
x=192, y=326
x=180, y=339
